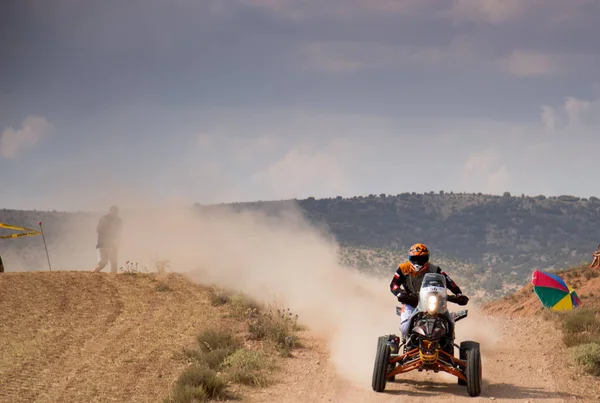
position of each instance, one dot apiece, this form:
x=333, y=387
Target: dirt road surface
x=527, y=364
x=68, y=337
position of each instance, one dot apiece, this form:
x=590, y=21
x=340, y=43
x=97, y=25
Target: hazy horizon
x=243, y=100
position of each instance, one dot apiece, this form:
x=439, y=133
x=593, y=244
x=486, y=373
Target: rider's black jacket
x=405, y=270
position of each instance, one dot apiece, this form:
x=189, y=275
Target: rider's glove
x=462, y=299
x=406, y=298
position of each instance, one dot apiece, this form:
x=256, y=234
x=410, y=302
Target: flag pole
x=45, y=246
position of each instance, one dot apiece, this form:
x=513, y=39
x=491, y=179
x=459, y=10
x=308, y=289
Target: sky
x=210, y=101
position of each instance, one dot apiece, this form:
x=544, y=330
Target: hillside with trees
x=494, y=242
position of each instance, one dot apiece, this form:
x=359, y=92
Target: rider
x=409, y=276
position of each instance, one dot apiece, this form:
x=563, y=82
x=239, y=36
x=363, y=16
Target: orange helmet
x=418, y=255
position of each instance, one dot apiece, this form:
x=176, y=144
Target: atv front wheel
x=382, y=358
x=462, y=354
x=473, y=371
x=394, y=349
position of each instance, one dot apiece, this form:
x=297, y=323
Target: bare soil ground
x=528, y=365
x=98, y=337
x=94, y=337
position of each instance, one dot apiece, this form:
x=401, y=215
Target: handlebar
x=411, y=299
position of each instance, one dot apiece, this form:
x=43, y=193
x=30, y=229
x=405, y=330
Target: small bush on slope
x=276, y=325
x=222, y=352
x=588, y=355
x=248, y=367
x=581, y=326
x=198, y=384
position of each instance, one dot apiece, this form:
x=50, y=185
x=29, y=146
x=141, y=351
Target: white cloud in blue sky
x=210, y=101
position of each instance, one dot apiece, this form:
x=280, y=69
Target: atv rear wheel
x=462, y=354
x=473, y=371
x=382, y=358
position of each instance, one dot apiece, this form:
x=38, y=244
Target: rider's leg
x=407, y=312
x=450, y=347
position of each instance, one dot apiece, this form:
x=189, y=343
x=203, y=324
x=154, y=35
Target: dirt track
x=515, y=370
x=84, y=337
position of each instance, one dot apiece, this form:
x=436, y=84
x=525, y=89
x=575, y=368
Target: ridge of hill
x=493, y=242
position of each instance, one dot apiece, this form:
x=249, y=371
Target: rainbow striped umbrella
x=553, y=292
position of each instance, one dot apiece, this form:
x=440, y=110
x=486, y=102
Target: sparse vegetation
x=198, y=384
x=211, y=340
x=218, y=296
x=588, y=355
x=162, y=287
x=228, y=354
x=581, y=326
x=248, y=367
x=276, y=325
x=242, y=306
x=133, y=268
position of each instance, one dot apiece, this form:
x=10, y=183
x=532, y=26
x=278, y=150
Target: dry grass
x=580, y=327
x=588, y=356
x=218, y=296
x=226, y=349
x=249, y=367
x=278, y=326
x=83, y=336
x=198, y=383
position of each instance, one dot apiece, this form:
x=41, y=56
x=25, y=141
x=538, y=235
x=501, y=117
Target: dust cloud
x=274, y=256
x=278, y=257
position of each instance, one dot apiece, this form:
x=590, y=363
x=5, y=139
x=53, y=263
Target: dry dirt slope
x=86, y=337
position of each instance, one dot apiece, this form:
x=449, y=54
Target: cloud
x=14, y=142
x=459, y=53
x=548, y=115
x=578, y=114
x=487, y=171
x=304, y=172
x=488, y=11
x=353, y=56
x=576, y=110
x=527, y=63
x=501, y=12
x=314, y=9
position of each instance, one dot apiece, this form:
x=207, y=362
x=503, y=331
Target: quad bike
x=430, y=342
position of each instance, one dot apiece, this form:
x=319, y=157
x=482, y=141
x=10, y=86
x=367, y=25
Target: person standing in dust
x=109, y=237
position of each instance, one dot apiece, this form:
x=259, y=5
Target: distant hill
x=493, y=242
x=496, y=240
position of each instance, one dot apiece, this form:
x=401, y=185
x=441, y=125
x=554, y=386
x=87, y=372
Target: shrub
x=133, y=268
x=187, y=394
x=581, y=320
x=248, y=367
x=588, y=355
x=162, y=287
x=216, y=339
x=243, y=306
x=198, y=383
x=218, y=297
x=278, y=326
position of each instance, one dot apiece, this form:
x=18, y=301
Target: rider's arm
x=397, y=282
x=450, y=283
